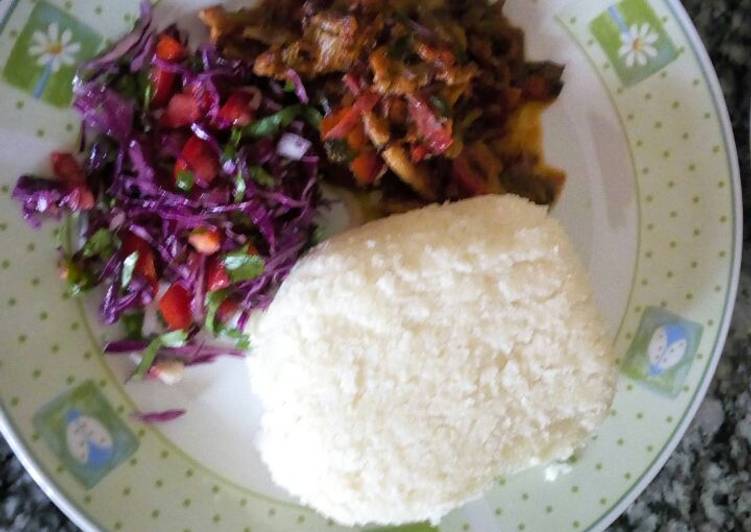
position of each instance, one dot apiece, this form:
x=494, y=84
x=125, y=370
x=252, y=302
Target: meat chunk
x=377, y=129
x=393, y=76
x=446, y=67
x=415, y=176
x=454, y=106
x=337, y=42
x=245, y=33
x=487, y=161
x=331, y=42
x=222, y=23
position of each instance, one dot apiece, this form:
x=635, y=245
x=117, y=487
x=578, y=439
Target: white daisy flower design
x=53, y=49
x=637, y=45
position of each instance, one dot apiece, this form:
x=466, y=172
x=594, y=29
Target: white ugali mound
x=406, y=364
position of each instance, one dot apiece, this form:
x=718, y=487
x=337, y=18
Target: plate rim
x=42, y=478
x=80, y=518
x=718, y=99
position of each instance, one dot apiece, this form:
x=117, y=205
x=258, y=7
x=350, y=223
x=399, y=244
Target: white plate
x=652, y=203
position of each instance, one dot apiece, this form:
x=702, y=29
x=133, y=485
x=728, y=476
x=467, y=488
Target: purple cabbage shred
x=159, y=417
x=142, y=185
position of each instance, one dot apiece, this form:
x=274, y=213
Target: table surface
x=706, y=483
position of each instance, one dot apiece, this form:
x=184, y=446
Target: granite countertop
x=706, y=483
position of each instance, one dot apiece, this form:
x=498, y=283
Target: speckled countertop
x=706, y=483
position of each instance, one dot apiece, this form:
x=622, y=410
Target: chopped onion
x=300, y=92
x=293, y=146
x=170, y=372
x=117, y=220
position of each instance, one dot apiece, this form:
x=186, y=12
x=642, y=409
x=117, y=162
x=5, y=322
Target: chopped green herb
x=470, y=118
x=170, y=339
x=242, y=221
x=236, y=136
x=261, y=176
x=174, y=338
x=401, y=47
x=147, y=358
x=101, y=244
x=289, y=86
x=148, y=94
x=129, y=265
x=312, y=116
x=195, y=62
x=240, y=187
x=61, y=235
x=230, y=150
x=241, y=266
x=213, y=301
x=272, y=124
x=79, y=279
x=185, y=180
x=128, y=87
x=319, y=235
x=338, y=151
x=461, y=55
x=242, y=340
x=228, y=153
x=402, y=17
x=133, y=324
x=440, y=105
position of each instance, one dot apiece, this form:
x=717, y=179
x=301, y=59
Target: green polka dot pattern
x=685, y=189
x=672, y=143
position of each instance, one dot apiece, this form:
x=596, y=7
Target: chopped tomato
x=353, y=83
x=198, y=157
x=145, y=265
x=366, y=167
x=356, y=138
x=366, y=101
x=180, y=166
x=418, y=152
x=348, y=117
x=439, y=54
x=469, y=180
x=175, y=307
x=169, y=49
x=67, y=169
x=163, y=83
x=216, y=275
x=81, y=198
x=236, y=110
x=332, y=119
x=182, y=110
x=227, y=310
x=204, y=99
x=437, y=135
x=186, y=107
x=206, y=241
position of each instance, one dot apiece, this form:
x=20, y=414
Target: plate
x=652, y=203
